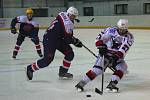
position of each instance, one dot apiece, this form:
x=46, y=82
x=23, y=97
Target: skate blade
x=112, y=91
x=15, y=59
x=80, y=90
x=65, y=78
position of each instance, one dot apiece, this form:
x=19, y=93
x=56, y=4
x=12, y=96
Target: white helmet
x=122, y=24
x=72, y=11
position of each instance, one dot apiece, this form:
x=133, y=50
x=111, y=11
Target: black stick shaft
x=102, y=75
x=102, y=80
x=89, y=50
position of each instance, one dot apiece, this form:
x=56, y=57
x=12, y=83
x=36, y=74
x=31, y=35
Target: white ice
x=46, y=85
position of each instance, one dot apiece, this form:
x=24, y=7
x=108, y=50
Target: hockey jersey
x=26, y=26
x=63, y=26
x=115, y=42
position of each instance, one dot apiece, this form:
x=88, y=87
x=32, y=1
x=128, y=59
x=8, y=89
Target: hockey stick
x=95, y=56
x=28, y=36
x=91, y=20
x=89, y=50
x=78, y=20
x=103, y=70
x=102, y=83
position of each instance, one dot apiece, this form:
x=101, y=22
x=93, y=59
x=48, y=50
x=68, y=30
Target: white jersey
x=67, y=23
x=116, y=42
x=24, y=19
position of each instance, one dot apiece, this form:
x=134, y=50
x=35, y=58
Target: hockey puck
x=88, y=95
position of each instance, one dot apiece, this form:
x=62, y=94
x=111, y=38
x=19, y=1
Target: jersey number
x=125, y=48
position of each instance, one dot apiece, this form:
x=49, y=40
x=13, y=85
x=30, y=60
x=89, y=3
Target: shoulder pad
x=110, y=30
x=22, y=18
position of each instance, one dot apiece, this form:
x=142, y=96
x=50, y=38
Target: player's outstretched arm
x=77, y=42
x=13, y=26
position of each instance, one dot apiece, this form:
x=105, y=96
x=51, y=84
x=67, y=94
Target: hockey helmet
x=29, y=11
x=122, y=24
x=72, y=11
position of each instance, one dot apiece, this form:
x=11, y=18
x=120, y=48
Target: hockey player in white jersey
x=113, y=43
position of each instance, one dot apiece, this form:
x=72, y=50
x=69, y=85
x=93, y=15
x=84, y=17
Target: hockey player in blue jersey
x=58, y=36
x=113, y=43
x=27, y=28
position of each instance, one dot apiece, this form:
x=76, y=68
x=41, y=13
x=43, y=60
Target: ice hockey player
x=58, y=36
x=27, y=28
x=113, y=43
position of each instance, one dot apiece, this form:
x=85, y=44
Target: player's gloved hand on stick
x=77, y=42
x=102, y=49
x=113, y=59
x=13, y=30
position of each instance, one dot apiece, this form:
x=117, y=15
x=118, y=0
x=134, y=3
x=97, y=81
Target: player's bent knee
x=69, y=56
x=19, y=41
x=97, y=70
x=35, y=40
x=45, y=61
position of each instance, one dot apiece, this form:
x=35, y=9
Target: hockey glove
x=77, y=20
x=113, y=59
x=13, y=30
x=77, y=42
x=102, y=49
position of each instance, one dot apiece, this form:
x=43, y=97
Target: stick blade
x=91, y=20
x=98, y=91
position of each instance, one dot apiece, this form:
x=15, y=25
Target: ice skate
x=63, y=74
x=29, y=73
x=40, y=55
x=80, y=85
x=14, y=56
x=112, y=87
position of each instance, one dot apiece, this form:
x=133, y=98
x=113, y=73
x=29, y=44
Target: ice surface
x=46, y=85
